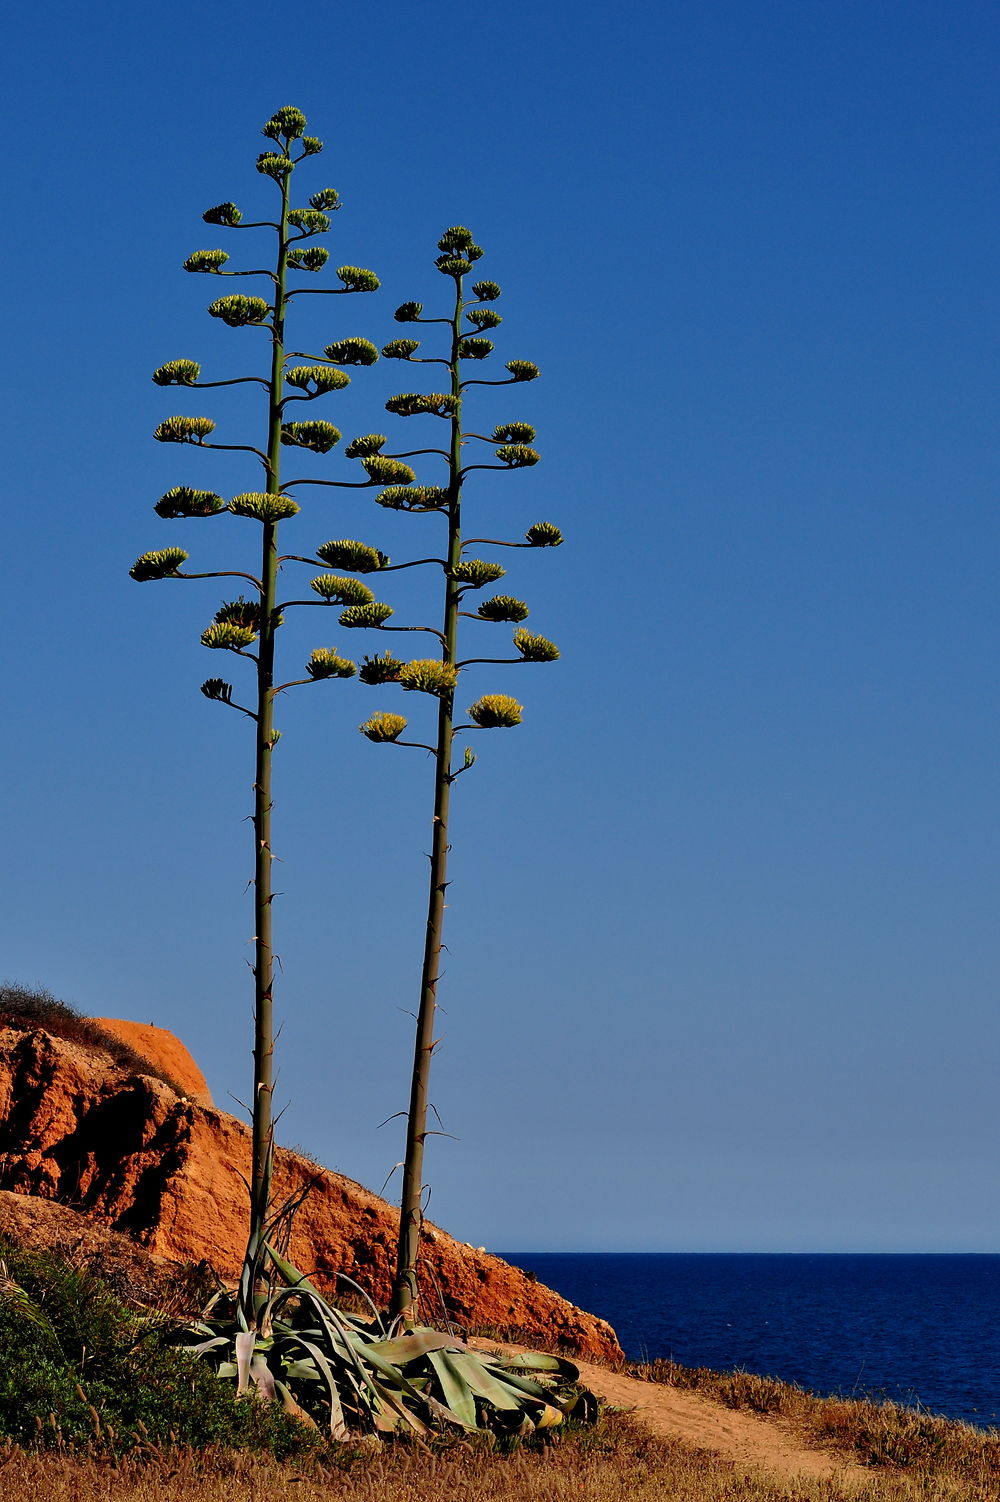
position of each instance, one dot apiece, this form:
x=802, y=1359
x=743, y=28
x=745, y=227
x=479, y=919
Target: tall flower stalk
x=242, y=624
x=466, y=322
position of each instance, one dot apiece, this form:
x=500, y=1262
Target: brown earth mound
x=130, y=1153
x=161, y=1048
x=134, y=1274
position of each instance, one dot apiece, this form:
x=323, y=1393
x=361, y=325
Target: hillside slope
x=130, y=1153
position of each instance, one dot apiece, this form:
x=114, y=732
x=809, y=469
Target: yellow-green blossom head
x=496, y=712
x=383, y=727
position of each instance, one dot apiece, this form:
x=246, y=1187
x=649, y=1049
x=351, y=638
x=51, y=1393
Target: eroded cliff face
x=131, y=1154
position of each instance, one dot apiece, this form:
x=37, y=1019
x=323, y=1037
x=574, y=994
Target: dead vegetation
x=617, y=1461
x=27, y=1008
x=886, y=1435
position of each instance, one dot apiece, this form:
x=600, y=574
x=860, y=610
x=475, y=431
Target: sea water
x=919, y=1329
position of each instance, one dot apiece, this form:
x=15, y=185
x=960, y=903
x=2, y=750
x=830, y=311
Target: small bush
x=79, y=1369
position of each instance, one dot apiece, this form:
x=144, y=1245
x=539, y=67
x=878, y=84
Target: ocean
x=921, y=1329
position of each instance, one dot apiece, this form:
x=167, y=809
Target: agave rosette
x=351, y=1375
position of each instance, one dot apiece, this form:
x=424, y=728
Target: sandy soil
x=744, y=1438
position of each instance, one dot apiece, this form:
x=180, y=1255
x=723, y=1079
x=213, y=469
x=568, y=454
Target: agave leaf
x=199, y=1327
x=362, y=1398
x=301, y=1371
x=548, y=1418
x=584, y=1408
x=209, y=1345
x=245, y=1342
x=281, y=1327
x=536, y=1361
x=565, y=1399
x=226, y=1371
x=457, y=1393
x=363, y=1327
x=318, y=1334
x=244, y=1297
x=376, y=1316
x=274, y=1303
x=262, y=1377
x=362, y=1350
x=407, y=1347
x=386, y=1369
x=338, y=1426
x=391, y=1401
x=296, y=1411
x=341, y=1338
x=438, y=1411
x=485, y=1384
x=290, y=1272
x=329, y=1332
x=525, y=1385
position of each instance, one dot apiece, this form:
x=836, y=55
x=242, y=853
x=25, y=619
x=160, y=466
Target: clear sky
x=723, y=943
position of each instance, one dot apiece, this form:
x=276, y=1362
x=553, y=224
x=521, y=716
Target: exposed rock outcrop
x=128, y=1152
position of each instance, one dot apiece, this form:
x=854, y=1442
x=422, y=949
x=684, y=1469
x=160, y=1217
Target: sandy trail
x=673, y=1413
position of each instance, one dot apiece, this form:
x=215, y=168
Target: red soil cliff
x=131, y=1154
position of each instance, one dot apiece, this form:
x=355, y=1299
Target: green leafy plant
x=248, y=628
x=346, y=1373
x=83, y=1370
x=439, y=677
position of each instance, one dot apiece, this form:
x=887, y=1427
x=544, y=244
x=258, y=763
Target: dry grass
x=28, y=1008
x=883, y=1435
x=909, y=1456
x=615, y=1462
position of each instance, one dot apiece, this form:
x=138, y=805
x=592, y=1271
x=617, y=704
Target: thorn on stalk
x=392, y=1170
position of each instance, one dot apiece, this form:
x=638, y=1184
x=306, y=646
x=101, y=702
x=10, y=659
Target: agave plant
x=277, y=1333
x=248, y=628
x=462, y=575
x=347, y=1375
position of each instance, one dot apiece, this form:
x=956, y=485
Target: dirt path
x=744, y=1438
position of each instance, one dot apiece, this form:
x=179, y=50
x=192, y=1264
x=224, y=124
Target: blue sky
x=723, y=953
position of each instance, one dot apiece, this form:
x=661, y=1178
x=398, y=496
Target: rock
x=127, y=1152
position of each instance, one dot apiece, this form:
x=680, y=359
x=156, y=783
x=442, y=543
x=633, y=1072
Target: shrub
x=79, y=1368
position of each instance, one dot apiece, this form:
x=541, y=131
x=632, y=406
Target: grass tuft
x=27, y=1008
